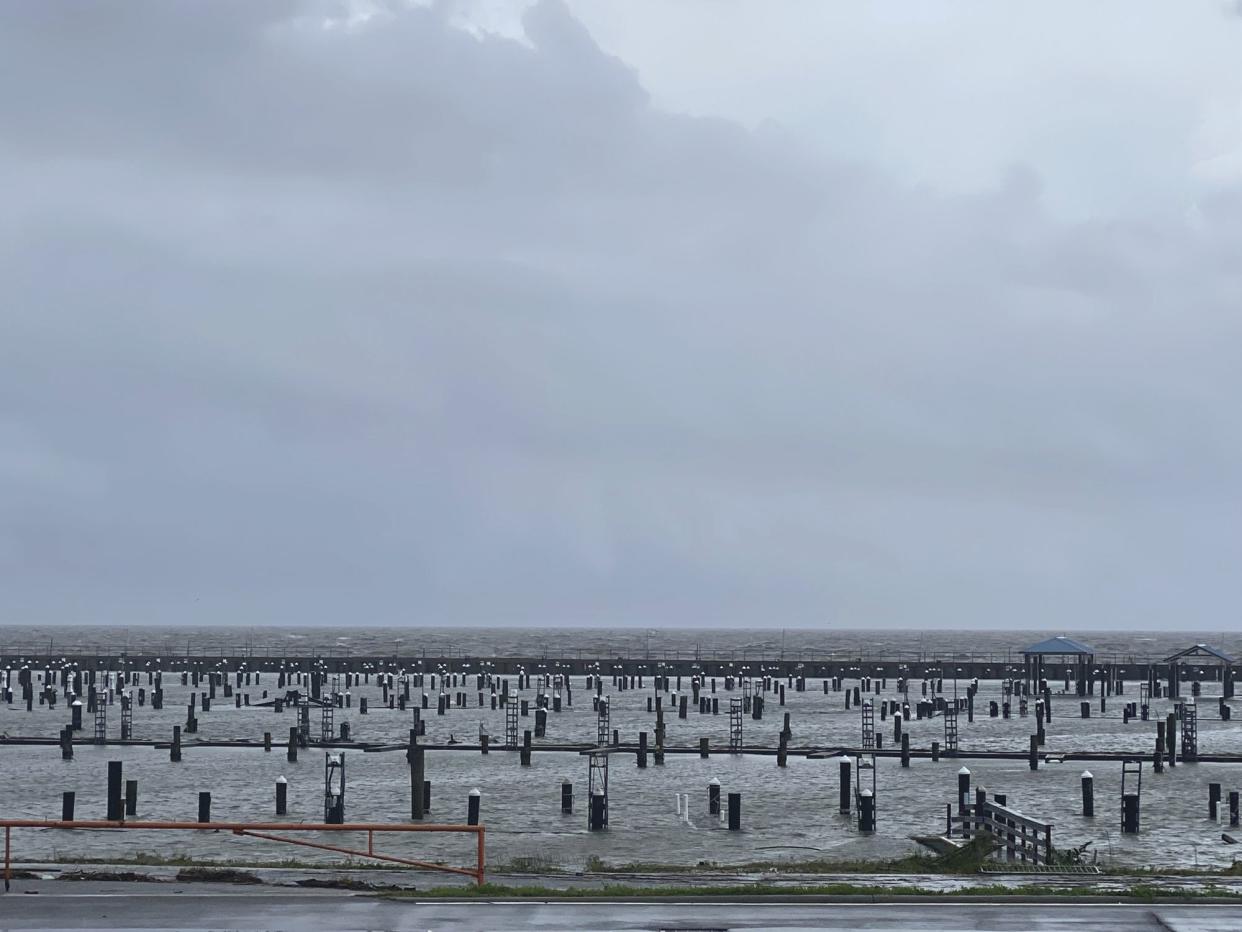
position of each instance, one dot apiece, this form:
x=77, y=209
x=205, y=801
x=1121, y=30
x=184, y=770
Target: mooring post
x=866, y=811
x=282, y=796
x=67, y=800
x=713, y=796
x=116, y=799
x=735, y=812
x=567, y=796
x=204, y=806
x=1233, y=808
x=844, y=790
x=1213, y=800
x=415, y=758
x=1170, y=738
x=1088, y=794
x=598, y=808
x=131, y=797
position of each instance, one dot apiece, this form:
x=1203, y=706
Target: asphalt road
x=228, y=908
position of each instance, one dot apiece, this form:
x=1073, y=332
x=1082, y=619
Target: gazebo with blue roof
x=1063, y=649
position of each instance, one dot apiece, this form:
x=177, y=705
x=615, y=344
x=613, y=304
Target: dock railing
x=1014, y=836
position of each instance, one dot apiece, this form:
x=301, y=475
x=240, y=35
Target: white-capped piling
x=598, y=810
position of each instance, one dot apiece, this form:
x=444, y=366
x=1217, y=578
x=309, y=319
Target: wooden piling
x=415, y=757
x=116, y=799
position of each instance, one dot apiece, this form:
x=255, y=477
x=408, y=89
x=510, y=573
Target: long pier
x=809, y=664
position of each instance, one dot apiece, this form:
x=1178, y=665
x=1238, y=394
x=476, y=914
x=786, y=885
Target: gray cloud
x=395, y=323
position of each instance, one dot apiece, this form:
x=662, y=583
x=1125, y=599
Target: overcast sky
x=653, y=312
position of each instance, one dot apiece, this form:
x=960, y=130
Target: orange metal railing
x=263, y=830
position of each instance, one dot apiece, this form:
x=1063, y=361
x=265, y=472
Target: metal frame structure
x=603, y=722
x=868, y=725
x=950, y=727
x=262, y=830
x=735, y=725
x=101, y=717
x=327, y=723
x=511, y=722
x=1190, y=731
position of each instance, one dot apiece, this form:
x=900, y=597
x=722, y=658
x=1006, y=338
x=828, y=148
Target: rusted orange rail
x=263, y=830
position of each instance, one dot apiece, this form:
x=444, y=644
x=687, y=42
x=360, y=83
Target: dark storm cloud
x=311, y=321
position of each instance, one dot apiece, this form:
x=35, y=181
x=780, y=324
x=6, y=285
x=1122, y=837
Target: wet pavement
x=211, y=907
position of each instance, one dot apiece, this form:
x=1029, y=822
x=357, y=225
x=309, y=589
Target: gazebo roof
x=1201, y=650
x=1059, y=645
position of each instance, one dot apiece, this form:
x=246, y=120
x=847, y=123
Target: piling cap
x=77, y=702
x=598, y=791
x=963, y=772
x=281, y=779
x=476, y=792
x=864, y=793
x=713, y=782
x=1086, y=775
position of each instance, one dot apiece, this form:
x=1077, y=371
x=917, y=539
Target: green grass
x=963, y=862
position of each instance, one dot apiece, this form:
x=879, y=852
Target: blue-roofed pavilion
x=1064, y=650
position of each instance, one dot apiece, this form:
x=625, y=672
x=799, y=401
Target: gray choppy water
x=590, y=642
x=787, y=813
